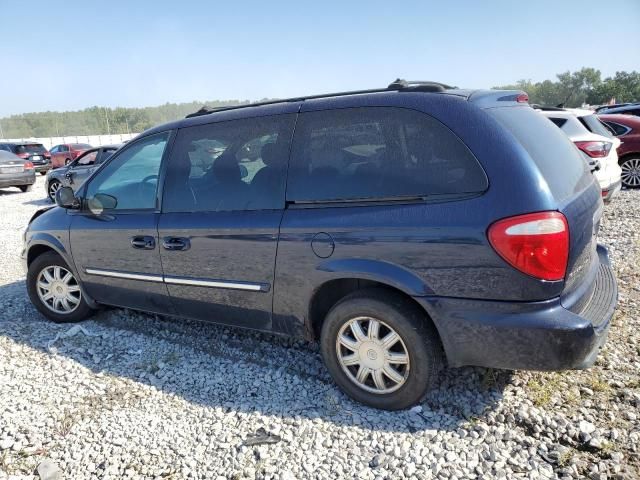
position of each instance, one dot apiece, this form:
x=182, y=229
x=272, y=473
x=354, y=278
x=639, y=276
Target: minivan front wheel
x=380, y=349
x=55, y=291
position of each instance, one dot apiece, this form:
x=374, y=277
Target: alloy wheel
x=58, y=289
x=53, y=188
x=373, y=355
x=631, y=172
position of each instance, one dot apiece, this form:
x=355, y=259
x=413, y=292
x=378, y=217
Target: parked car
x=627, y=129
x=16, y=172
x=595, y=141
x=65, y=153
x=73, y=174
x=630, y=109
x=31, y=151
x=413, y=225
x=602, y=108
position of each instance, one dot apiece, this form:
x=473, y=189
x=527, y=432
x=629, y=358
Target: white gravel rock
x=131, y=395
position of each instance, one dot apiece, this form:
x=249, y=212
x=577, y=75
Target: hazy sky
x=68, y=55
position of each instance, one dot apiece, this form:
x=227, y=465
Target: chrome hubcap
x=53, y=188
x=373, y=355
x=631, y=172
x=58, y=289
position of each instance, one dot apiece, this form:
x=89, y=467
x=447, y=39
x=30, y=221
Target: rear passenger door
x=222, y=206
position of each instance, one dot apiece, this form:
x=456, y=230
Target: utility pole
x=107, y=117
x=1, y=132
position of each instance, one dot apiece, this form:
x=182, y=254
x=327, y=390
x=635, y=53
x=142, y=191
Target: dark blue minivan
x=401, y=228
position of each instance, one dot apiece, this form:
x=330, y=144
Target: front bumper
x=528, y=335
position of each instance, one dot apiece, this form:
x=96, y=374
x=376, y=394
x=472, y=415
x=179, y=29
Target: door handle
x=143, y=242
x=176, y=243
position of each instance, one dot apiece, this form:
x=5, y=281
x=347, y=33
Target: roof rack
x=397, y=85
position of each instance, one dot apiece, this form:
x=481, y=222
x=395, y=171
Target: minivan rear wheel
x=380, y=349
x=55, y=291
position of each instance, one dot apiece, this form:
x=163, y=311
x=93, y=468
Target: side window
x=558, y=121
x=104, y=155
x=232, y=165
x=378, y=153
x=617, y=128
x=54, y=149
x=88, y=159
x=63, y=148
x=131, y=178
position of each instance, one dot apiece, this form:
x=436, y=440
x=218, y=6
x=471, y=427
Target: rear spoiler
x=499, y=98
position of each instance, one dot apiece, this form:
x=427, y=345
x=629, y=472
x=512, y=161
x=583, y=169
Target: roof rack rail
x=547, y=109
x=397, y=85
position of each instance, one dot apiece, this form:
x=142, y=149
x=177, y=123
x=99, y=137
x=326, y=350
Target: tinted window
x=377, y=153
x=31, y=148
x=63, y=148
x=617, y=128
x=106, y=153
x=559, y=161
x=234, y=165
x=558, y=121
x=80, y=146
x=132, y=176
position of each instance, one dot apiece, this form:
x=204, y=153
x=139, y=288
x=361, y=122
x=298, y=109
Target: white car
x=596, y=143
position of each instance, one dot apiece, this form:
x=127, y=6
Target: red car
x=627, y=129
x=65, y=153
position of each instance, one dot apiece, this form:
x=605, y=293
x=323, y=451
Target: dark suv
x=399, y=227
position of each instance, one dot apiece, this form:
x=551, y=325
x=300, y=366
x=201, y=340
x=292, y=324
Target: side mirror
x=66, y=198
x=243, y=171
x=101, y=202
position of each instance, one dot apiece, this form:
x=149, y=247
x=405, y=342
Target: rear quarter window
x=557, y=159
x=378, y=153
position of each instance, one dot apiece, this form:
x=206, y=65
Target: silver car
x=74, y=174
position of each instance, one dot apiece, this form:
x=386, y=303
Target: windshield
x=594, y=125
x=30, y=148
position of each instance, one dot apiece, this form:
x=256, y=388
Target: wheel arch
x=329, y=293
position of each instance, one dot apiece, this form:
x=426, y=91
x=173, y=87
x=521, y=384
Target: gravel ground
x=130, y=395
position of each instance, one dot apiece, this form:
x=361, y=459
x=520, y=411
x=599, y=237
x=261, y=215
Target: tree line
x=570, y=89
x=586, y=86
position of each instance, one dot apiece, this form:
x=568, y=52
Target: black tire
x=631, y=165
x=51, y=197
x=67, y=161
x=81, y=312
x=26, y=188
x=416, y=331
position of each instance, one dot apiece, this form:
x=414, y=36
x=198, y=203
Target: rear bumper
x=17, y=179
x=528, y=335
x=611, y=191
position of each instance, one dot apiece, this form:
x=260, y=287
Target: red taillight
x=28, y=166
x=522, y=98
x=595, y=149
x=536, y=243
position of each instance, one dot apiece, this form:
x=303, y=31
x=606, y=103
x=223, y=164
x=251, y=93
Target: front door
x=114, y=238
x=221, y=212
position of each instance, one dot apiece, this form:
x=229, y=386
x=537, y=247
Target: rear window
x=30, y=148
x=378, y=153
x=594, y=125
x=80, y=146
x=559, y=161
